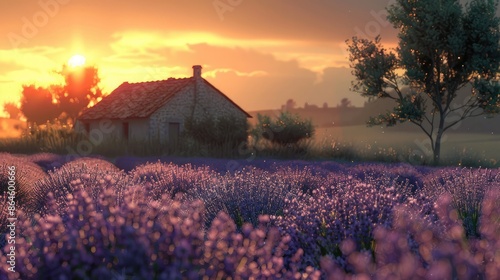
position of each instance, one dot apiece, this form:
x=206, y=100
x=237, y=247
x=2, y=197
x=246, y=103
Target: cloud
x=253, y=78
x=30, y=58
x=260, y=52
x=319, y=20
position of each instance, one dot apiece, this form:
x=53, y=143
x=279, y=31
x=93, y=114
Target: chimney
x=197, y=71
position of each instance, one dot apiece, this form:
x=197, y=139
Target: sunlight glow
x=76, y=60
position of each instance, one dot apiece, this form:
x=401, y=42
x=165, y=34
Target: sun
x=76, y=60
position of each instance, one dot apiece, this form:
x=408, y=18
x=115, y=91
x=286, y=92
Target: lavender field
x=90, y=218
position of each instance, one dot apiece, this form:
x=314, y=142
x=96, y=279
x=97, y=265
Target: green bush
x=285, y=130
x=217, y=131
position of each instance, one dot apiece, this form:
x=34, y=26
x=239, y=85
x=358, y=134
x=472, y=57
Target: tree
x=289, y=105
x=37, y=104
x=80, y=89
x=12, y=110
x=443, y=47
x=284, y=130
x=345, y=103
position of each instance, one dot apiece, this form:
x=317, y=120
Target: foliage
x=81, y=88
x=284, y=130
x=416, y=249
x=345, y=103
x=467, y=189
x=154, y=242
x=26, y=175
x=161, y=179
x=56, y=141
x=217, y=131
x=33, y=99
x=12, y=110
x=244, y=195
x=342, y=221
x=92, y=175
x=442, y=48
x=341, y=208
x=45, y=104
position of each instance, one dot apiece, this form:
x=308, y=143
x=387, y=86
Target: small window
x=125, y=130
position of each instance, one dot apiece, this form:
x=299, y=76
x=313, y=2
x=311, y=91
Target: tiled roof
x=135, y=100
x=140, y=100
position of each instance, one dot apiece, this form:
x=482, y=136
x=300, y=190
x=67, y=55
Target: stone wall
x=113, y=129
x=176, y=110
x=206, y=103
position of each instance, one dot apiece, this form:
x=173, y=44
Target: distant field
x=481, y=144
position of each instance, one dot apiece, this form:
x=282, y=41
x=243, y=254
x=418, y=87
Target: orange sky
x=259, y=52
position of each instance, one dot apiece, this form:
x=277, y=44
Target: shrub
x=27, y=174
x=160, y=179
x=94, y=176
x=400, y=172
x=217, y=131
x=342, y=208
x=244, y=195
x=350, y=220
x=286, y=129
x=125, y=240
x=416, y=249
x=90, y=162
x=467, y=188
x=131, y=241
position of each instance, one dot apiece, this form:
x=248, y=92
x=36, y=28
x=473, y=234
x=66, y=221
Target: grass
x=62, y=140
x=355, y=146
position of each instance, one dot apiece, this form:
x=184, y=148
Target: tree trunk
x=437, y=143
x=437, y=149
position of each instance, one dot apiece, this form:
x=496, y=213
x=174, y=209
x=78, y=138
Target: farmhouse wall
x=210, y=103
x=176, y=110
x=206, y=103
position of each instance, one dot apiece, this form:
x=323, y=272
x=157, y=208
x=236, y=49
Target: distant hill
x=350, y=116
x=321, y=117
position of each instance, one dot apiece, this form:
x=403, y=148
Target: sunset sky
x=259, y=52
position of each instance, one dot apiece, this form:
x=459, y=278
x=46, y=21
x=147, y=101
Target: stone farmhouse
x=157, y=110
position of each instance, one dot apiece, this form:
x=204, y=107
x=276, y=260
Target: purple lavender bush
x=26, y=174
x=125, y=240
x=86, y=162
x=417, y=248
x=253, y=253
x=162, y=178
x=244, y=195
x=134, y=241
x=467, y=188
x=94, y=177
x=342, y=208
x=90, y=220
x=305, y=179
x=400, y=172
